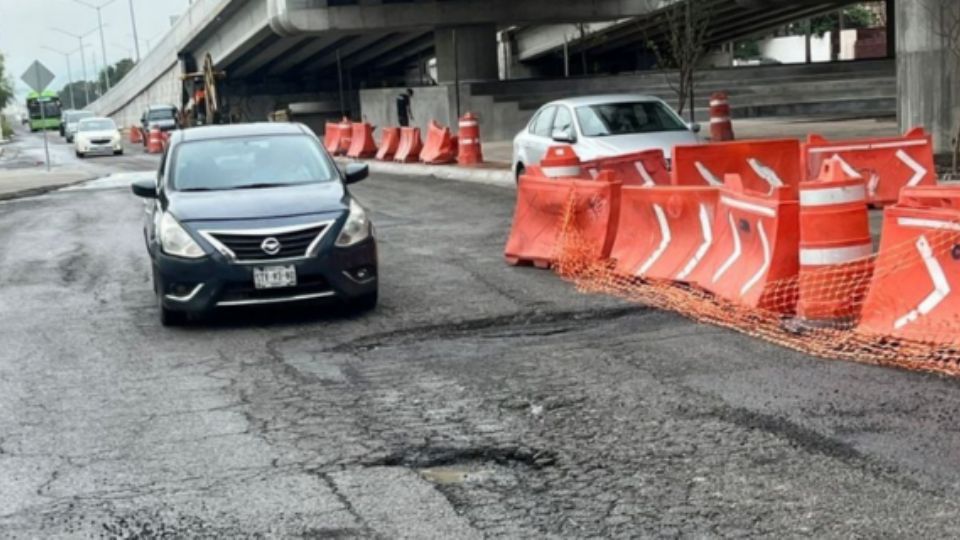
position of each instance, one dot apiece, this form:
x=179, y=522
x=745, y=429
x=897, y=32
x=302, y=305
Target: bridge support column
x=477, y=53
x=928, y=72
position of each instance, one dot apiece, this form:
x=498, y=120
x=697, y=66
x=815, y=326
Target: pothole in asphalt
x=445, y=466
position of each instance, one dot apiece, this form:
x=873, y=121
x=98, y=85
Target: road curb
x=42, y=190
x=499, y=177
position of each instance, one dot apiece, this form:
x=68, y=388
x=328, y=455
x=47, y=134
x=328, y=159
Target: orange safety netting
x=933, y=344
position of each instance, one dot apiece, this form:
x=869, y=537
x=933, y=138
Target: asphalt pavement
x=478, y=400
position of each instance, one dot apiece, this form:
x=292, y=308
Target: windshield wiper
x=199, y=189
x=261, y=185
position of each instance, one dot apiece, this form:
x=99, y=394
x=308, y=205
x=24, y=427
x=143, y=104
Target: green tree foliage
x=115, y=72
x=6, y=85
x=81, y=89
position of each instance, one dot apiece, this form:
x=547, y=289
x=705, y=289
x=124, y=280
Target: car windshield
x=249, y=162
x=99, y=124
x=608, y=119
x=77, y=116
x=160, y=114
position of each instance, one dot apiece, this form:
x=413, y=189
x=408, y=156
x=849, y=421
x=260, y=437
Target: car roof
x=580, y=101
x=160, y=106
x=239, y=130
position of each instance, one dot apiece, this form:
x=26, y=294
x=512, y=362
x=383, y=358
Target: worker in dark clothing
x=404, y=111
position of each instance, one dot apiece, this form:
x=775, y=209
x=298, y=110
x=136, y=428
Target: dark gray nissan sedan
x=255, y=214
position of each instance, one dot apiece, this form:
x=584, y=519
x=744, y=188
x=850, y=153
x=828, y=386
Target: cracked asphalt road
x=479, y=400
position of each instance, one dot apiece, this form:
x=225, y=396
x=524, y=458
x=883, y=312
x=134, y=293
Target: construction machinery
x=201, y=100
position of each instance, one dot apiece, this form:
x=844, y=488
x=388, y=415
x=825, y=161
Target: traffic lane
x=26, y=151
x=531, y=408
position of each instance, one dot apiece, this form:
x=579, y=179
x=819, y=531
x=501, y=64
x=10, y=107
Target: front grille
x=305, y=285
x=247, y=247
x=100, y=141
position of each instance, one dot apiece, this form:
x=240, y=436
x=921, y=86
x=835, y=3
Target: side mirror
x=145, y=188
x=356, y=172
x=694, y=126
x=563, y=136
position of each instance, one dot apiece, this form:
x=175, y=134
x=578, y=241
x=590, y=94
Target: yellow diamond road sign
x=37, y=77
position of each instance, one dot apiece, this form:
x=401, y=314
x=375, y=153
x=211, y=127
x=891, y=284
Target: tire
x=520, y=170
x=80, y=155
x=118, y=152
x=365, y=303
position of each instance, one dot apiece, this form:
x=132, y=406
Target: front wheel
x=520, y=170
x=80, y=154
x=118, y=152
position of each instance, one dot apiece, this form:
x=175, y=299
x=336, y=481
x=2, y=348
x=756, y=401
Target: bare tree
x=686, y=27
x=947, y=13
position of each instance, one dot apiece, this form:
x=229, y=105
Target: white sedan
x=97, y=136
x=602, y=126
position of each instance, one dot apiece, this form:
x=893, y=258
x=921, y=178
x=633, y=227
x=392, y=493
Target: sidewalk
x=25, y=182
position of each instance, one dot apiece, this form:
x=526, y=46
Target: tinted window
x=626, y=118
x=544, y=122
x=160, y=114
x=258, y=161
x=564, y=121
x=96, y=125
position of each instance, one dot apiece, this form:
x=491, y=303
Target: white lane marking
x=871, y=146
x=920, y=223
x=766, y=261
x=733, y=256
x=647, y=179
x=765, y=172
x=829, y=256
x=707, y=175
x=749, y=207
x=918, y=170
x=664, y=241
x=941, y=287
x=704, y=247
x=813, y=196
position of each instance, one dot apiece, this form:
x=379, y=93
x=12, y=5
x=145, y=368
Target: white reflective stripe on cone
x=868, y=146
x=719, y=120
x=920, y=223
x=468, y=123
x=554, y=172
x=830, y=256
x=469, y=141
x=831, y=196
x=717, y=102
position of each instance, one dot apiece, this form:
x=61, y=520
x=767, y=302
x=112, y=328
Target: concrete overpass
x=323, y=52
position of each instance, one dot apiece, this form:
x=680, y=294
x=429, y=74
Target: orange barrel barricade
x=915, y=290
x=440, y=146
x=470, y=151
x=154, y=141
x=835, y=246
x=164, y=140
x=346, y=136
x=331, y=137
x=762, y=165
x=664, y=232
x=389, y=143
x=136, y=137
x=408, y=151
x=588, y=208
x=645, y=168
x=887, y=164
x=755, y=244
x=721, y=126
x=362, y=144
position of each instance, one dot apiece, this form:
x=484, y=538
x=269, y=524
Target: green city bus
x=50, y=117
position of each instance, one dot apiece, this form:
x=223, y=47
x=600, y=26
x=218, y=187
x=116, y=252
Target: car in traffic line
x=70, y=121
x=162, y=117
x=97, y=135
x=602, y=126
x=255, y=214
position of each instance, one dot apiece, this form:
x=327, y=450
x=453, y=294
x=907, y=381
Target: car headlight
x=357, y=227
x=175, y=241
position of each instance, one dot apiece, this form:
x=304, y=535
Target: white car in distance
x=97, y=136
x=602, y=126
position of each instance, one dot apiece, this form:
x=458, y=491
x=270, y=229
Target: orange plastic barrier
x=887, y=165
x=389, y=143
x=408, y=151
x=331, y=137
x=469, y=152
x=560, y=162
x=591, y=208
x=155, y=141
x=762, y=165
x=346, y=136
x=646, y=168
x=721, y=127
x=362, y=144
x=755, y=244
x=136, y=136
x=440, y=146
x=915, y=291
x=835, y=245
x=664, y=232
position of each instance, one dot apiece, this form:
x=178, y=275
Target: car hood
x=265, y=203
x=590, y=148
x=100, y=134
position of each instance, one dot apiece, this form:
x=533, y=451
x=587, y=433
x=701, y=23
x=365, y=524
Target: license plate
x=272, y=277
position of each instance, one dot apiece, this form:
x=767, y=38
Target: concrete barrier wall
x=379, y=106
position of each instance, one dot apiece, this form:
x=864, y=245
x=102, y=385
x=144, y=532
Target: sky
x=25, y=28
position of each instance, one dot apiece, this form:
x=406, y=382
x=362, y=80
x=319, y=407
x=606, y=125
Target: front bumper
x=92, y=148
x=211, y=282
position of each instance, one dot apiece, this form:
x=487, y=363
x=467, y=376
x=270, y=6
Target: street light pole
x=133, y=23
x=83, y=60
x=103, y=42
x=66, y=55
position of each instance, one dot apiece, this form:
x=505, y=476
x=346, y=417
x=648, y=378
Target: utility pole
x=83, y=60
x=133, y=23
x=103, y=42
